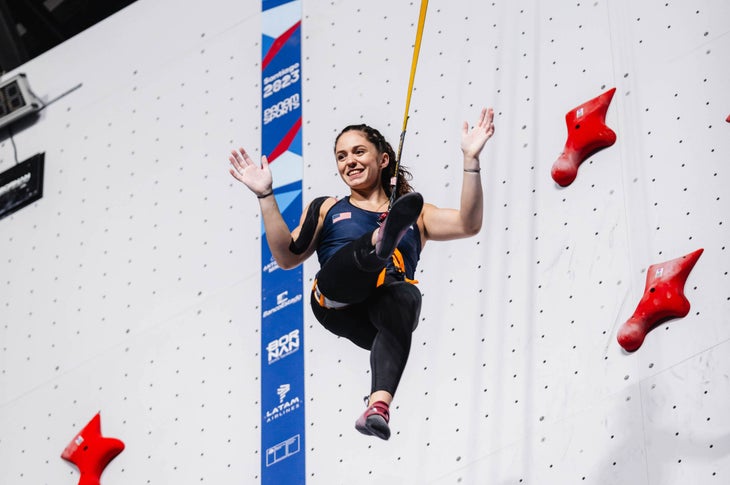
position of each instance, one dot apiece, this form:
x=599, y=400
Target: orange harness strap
x=400, y=266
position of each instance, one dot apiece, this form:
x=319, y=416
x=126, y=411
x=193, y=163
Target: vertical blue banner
x=282, y=296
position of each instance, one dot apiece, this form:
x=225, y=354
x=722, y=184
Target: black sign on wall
x=21, y=185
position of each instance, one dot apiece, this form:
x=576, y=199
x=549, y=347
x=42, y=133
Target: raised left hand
x=472, y=141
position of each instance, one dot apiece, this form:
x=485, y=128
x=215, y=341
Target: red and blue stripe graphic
x=282, y=296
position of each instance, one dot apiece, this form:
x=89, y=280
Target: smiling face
x=358, y=161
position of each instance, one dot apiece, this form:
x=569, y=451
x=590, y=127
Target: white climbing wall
x=132, y=286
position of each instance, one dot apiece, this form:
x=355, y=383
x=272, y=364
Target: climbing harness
x=400, y=271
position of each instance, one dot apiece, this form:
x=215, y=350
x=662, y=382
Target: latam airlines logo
x=285, y=406
x=282, y=301
x=282, y=391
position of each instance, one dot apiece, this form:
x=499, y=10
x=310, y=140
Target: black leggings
x=380, y=319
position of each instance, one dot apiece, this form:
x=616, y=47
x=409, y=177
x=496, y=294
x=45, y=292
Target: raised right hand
x=257, y=179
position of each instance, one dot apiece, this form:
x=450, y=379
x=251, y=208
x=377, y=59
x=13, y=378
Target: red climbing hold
x=728, y=118
x=663, y=298
x=91, y=452
x=587, y=133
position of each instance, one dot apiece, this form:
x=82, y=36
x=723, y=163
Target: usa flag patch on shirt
x=341, y=217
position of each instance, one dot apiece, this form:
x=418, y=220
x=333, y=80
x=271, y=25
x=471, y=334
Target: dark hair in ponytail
x=376, y=138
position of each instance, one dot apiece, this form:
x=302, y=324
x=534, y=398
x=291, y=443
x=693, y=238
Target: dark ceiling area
x=29, y=28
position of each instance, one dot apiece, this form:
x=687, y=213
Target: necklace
x=377, y=209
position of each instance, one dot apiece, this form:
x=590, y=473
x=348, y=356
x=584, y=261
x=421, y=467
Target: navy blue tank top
x=344, y=223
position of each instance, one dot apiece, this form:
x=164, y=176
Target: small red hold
x=91, y=452
x=663, y=298
x=587, y=133
x=728, y=118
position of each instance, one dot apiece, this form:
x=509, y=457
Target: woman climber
x=368, y=251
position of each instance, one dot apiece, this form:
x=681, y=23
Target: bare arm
x=279, y=238
x=259, y=181
x=445, y=224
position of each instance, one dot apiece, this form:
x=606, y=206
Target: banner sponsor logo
x=282, y=301
x=283, y=346
x=282, y=391
x=285, y=406
x=283, y=107
x=271, y=266
x=283, y=450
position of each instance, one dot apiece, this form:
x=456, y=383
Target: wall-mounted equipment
x=17, y=100
x=21, y=185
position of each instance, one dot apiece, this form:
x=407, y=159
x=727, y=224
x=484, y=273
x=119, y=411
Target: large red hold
x=663, y=298
x=91, y=452
x=587, y=133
